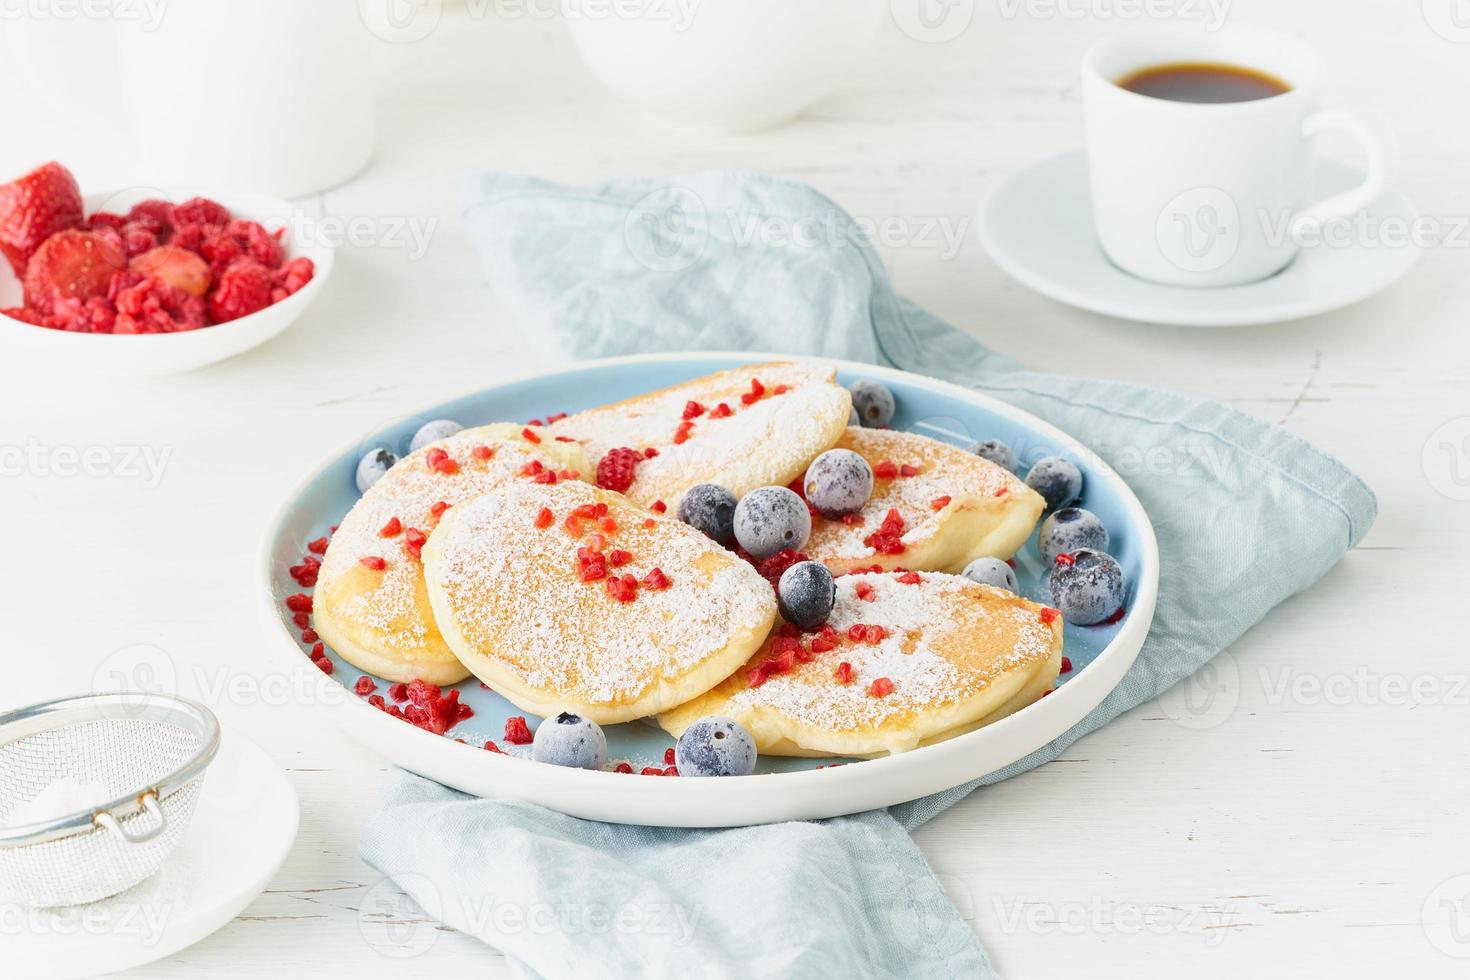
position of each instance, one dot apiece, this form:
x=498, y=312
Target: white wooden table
x=1301, y=808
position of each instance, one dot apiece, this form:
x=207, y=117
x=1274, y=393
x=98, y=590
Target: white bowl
x=36, y=349
x=734, y=64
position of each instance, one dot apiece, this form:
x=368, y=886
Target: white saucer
x=243, y=825
x=1037, y=226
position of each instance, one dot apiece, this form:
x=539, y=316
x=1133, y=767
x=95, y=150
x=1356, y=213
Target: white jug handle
x=1375, y=181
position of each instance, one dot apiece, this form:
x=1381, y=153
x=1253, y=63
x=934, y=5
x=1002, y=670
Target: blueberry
x=371, y=468
x=1089, y=588
x=770, y=519
x=1058, y=480
x=992, y=571
x=570, y=740
x=838, y=482
x=873, y=402
x=997, y=452
x=806, y=594
x=715, y=746
x=711, y=509
x=1070, y=529
x=432, y=432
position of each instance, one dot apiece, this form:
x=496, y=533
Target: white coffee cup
x=1211, y=194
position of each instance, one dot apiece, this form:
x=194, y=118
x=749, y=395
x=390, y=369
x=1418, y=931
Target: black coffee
x=1205, y=82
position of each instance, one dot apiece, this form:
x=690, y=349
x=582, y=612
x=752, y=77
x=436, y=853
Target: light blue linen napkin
x=1246, y=515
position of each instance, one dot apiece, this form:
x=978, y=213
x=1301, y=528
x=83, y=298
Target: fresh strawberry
x=175, y=266
x=244, y=288
x=34, y=208
x=70, y=265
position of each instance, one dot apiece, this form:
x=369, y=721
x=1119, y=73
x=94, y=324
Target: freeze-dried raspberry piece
x=243, y=288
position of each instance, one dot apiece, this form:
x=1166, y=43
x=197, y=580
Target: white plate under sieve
x=149, y=752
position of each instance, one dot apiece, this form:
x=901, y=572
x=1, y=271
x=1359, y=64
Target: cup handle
x=1310, y=218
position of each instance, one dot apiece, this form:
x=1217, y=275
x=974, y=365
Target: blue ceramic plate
x=782, y=788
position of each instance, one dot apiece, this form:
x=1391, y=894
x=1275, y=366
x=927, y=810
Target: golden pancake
x=780, y=416
x=379, y=619
x=529, y=593
x=954, y=507
x=949, y=653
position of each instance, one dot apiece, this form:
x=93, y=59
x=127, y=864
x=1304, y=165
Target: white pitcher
x=271, y=96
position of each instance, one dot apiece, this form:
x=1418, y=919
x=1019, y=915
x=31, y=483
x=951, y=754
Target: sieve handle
x=150, y=804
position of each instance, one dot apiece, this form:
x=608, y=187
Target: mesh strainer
x=149, y=751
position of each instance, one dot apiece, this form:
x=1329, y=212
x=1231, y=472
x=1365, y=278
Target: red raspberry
x=160, y=214
x=843, y=673
x=291, y=277
x=318, y=546
x=364, y=685
x=885, y=469
x=375, y=562
x=516, y=732
x=669, y=756
x=939, y=503
x=888, y=539
x=398, y=692
x=656, y=580
x=139, y=237
x=910, y=578
x=393, y=528
x=201, y=210
x=98, y=220
x=544, y=518
x=615, y=470
x=243, y=288
x=1066, y=665
x=772, y=567
x=261, y=245
x=880, y=688
x=623, y=767
x=153, y=306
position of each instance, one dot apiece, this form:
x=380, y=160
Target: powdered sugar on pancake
x=409, y=492
x=943, y=471
x=777, y=432
x=919, y=655
x=516, y=597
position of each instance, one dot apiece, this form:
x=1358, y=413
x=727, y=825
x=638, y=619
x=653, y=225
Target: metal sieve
x=148, y=750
